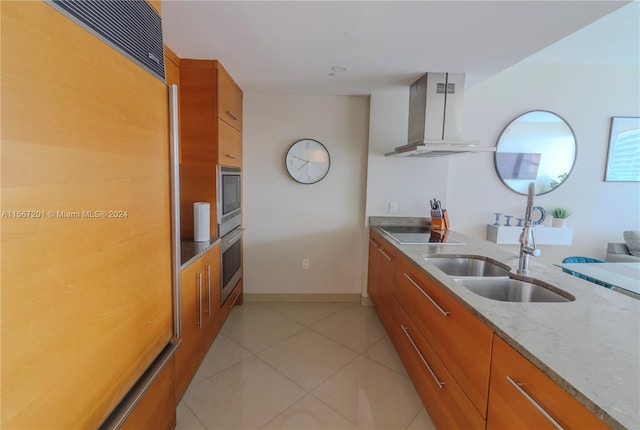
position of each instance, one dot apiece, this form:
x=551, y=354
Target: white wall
x=587, y=96
x=287, y=221
x=410, y=182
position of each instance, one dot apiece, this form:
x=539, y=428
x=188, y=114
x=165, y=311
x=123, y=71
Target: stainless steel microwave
x=229, y=198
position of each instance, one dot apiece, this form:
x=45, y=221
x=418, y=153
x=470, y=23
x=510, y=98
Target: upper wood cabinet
x=229, y=99
x=210, y=133
x=210, y=101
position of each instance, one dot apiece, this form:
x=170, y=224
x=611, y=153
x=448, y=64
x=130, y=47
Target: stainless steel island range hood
x=435, y=118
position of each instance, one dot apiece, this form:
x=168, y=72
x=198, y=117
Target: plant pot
x=559, y=222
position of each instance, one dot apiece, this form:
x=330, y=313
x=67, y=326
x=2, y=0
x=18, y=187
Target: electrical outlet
x=305, y=263
x=393, y=207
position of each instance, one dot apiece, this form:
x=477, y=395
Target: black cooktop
x=408, y=235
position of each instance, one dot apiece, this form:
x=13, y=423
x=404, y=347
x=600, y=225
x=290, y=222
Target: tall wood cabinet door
x=386, y=282
x=229, y=99
x=373, y=271
x=522, y=397
x=189, y=353
x=211, y=294
x=86, y=271
x=230, y=145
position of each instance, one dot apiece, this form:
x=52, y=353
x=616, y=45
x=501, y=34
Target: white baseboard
x=300, y=298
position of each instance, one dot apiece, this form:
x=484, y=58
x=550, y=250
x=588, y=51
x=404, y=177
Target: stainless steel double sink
x=493, y=280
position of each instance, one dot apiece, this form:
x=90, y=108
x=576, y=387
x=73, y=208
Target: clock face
x=307, y=161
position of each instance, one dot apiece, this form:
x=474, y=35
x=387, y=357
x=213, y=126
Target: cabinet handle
x=384, y=253
x=234, y=239
x=232, y=115
x=518, y=386
x=442, y=311
x=374, y=243
x=209, y=289
x=433, y=375
x=199, y=300
x=232, y=156
x=235, y=299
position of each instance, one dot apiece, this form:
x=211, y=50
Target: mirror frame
x=575, y=157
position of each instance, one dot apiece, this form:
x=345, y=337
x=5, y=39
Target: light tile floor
x=302, y=366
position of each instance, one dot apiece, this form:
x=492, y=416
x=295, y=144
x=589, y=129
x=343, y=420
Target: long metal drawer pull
x=233, y=156
x=209, y=288
x=374, y=243
x=199, y=300
x=232, y=115
x=433, y=375
x=445, y=313
x=531, y=400
x=384, y=253
x=235, y=299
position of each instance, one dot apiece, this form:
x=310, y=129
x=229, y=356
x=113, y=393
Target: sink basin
x=513, y=290
x=468, y=266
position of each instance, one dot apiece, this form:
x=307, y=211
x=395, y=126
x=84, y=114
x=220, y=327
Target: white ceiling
x=290, y=46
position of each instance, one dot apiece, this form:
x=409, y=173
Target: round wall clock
x=307, y=161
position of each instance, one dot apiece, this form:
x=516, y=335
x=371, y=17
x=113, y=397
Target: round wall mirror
x=538, y=146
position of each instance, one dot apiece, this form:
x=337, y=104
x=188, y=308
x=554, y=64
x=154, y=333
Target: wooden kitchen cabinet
x=380, y=283
x=446, y=402
x=211, y=134
x=87, y=303
x=523, y=397
x=229, y=99
x=200, y=295
x=460, y=340
x=211, y=295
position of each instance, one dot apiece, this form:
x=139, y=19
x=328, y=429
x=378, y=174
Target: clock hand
x=301, y=159
x=305, y=163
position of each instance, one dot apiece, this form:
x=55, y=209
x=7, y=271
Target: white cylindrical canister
x=201, y=221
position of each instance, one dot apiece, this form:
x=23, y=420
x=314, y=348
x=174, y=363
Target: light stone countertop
x=590, y=346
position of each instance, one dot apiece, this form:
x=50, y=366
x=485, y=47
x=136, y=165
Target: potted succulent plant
x=560, y=216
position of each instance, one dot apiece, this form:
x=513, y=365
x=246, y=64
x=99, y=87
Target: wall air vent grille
x=131, y=26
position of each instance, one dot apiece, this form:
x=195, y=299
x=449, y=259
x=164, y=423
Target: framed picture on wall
x=623, y=157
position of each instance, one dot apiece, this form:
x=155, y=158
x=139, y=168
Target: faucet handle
x=535, y=252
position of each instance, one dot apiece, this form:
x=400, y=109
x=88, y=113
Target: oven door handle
x=234, y=239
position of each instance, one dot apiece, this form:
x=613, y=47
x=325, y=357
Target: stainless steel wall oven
x=231, y=264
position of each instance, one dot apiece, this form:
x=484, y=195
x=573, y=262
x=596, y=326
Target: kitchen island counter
x=589, y=346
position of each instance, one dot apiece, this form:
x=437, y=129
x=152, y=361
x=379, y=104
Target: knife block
x=440, y=224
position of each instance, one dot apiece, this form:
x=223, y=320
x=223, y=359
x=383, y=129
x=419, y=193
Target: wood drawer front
x=461, y=340
x=230, y=145
x=229, y=99
x=509, y=406
x=446, y=402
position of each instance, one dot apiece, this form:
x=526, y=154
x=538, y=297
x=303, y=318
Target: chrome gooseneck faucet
x=527, y=241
